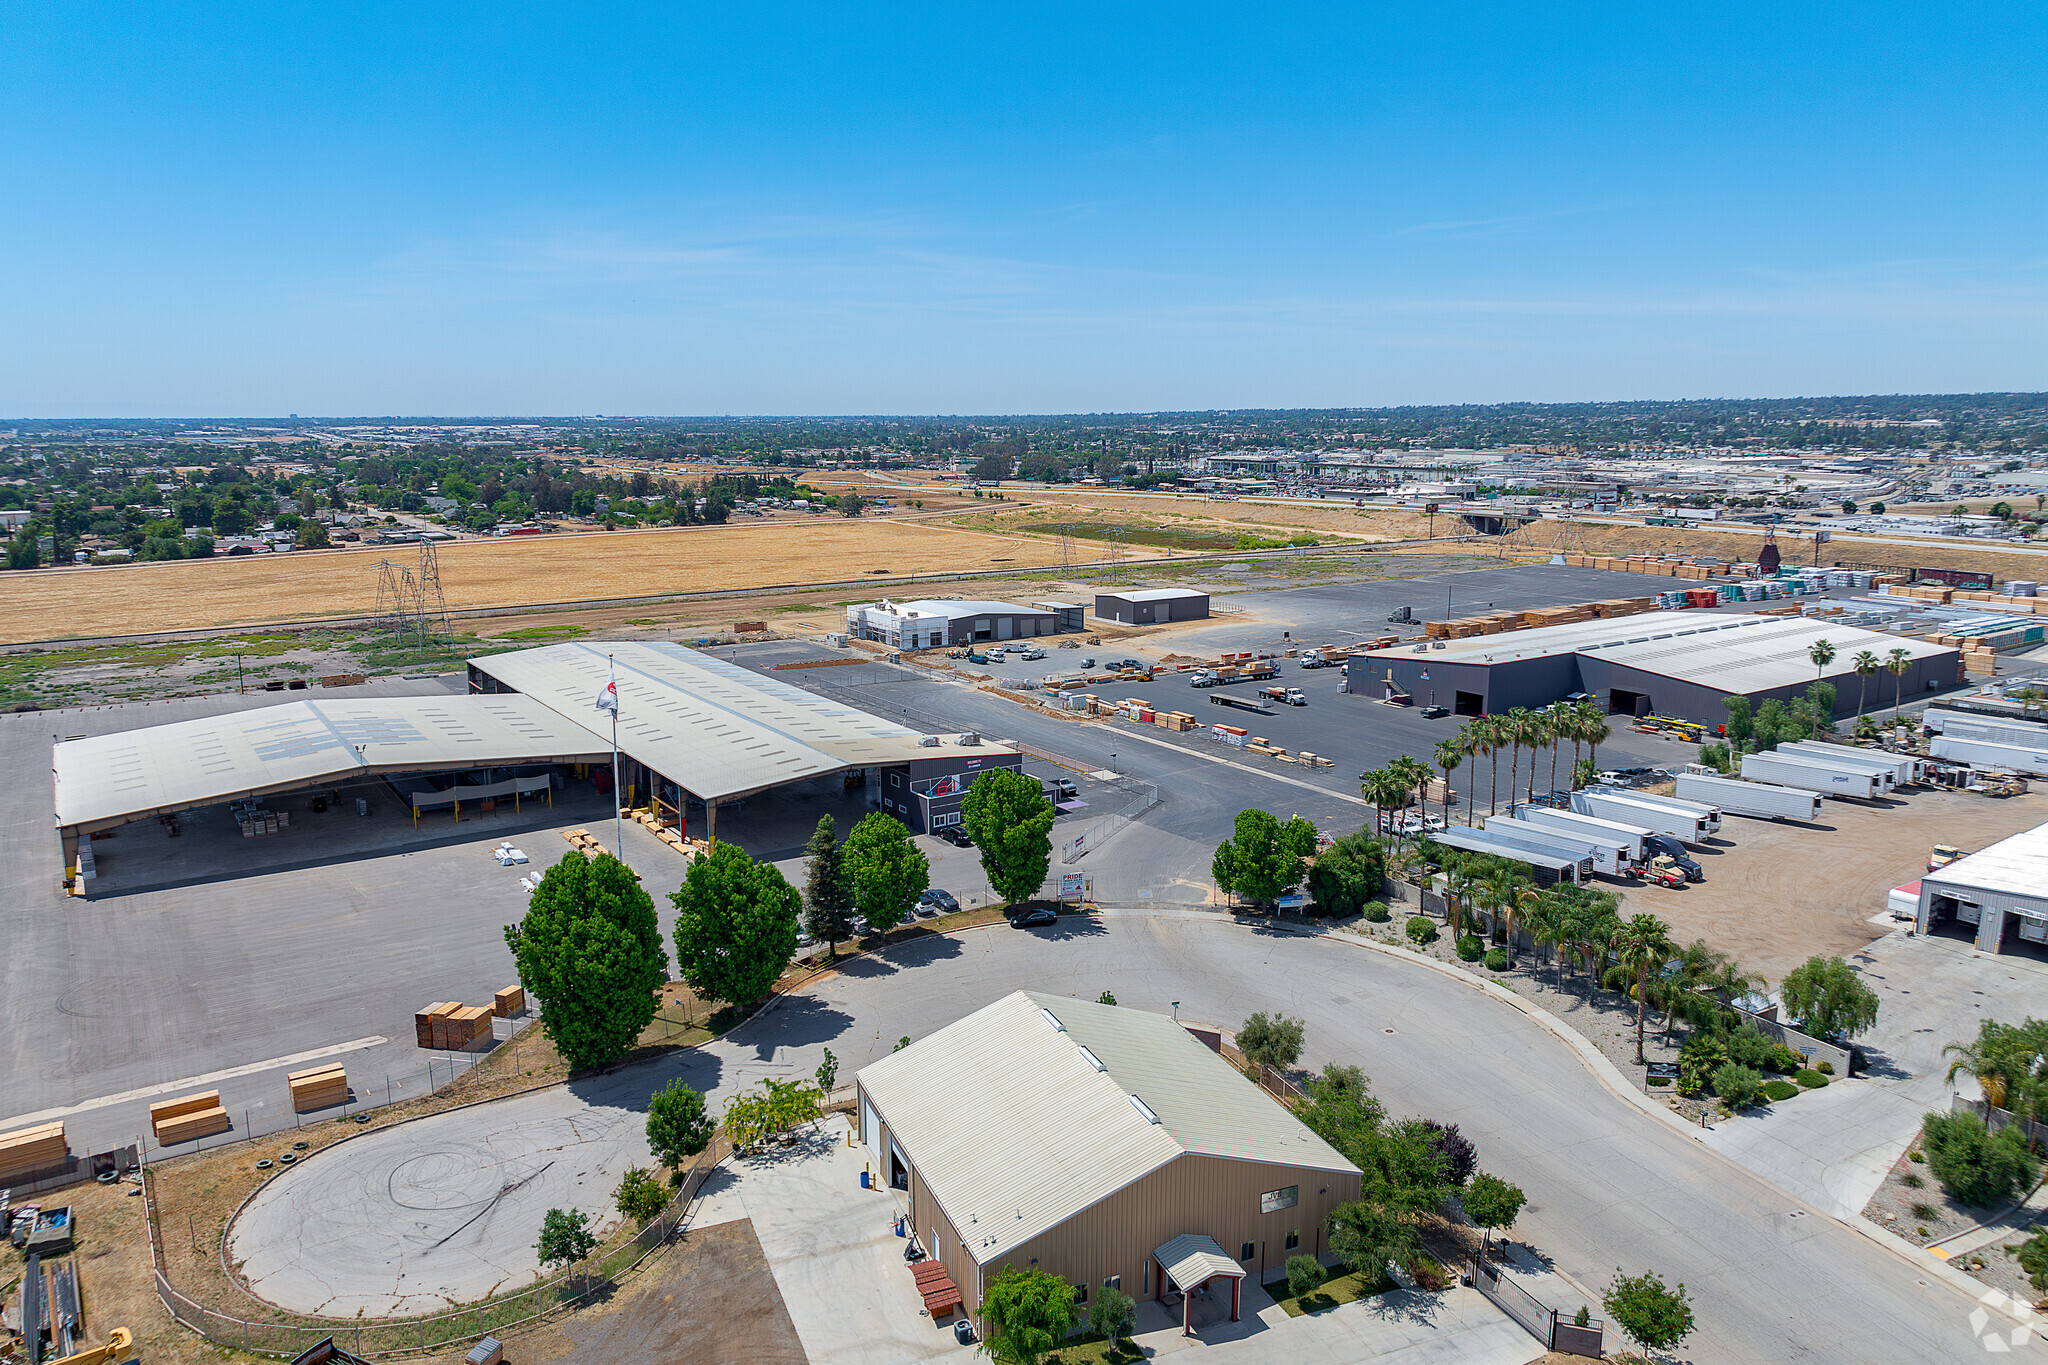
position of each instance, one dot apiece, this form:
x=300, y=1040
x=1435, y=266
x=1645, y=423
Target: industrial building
x=691, y=729
x=945, y=622
x=1152, y=606
x=1101, y=1144
x=1670, y=663
x=2000, y=893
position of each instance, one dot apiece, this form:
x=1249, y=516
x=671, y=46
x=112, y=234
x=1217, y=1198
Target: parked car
x=954, y=835
x=861, y=927
x=1435, y=712
x=1033, y=919
x=1088, y=662
x=940, y=902
x=1061, y=788
x=977, y=658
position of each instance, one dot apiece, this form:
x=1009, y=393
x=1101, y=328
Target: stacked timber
x=28, y=1152
x=195, y=1116
x=321, y=1087
x=509, y=1003
x=469, y=1027
x=429, y=1022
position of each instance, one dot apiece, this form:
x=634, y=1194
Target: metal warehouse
x=1101, y=1144
x=936, y=623
x=1152, y=606
x=2000, y=892
x=1670, y=663
x=689, y=727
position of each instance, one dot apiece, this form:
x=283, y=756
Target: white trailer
x=1793, y=771
x=1548, y=867
x=1760, y=800
x=1904, y=768
x=1609, y=854
x=1627, y=837
x=2005, y=758
x=1687, y=821
x=1988, y=729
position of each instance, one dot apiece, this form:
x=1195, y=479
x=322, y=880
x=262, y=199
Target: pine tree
x=828, y=894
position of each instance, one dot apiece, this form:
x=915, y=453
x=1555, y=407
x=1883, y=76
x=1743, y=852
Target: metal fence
x=1143, y=797
x=1538, y=1318
x=395, y=1337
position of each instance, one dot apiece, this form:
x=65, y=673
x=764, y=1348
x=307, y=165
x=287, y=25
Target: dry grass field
x=504, y=572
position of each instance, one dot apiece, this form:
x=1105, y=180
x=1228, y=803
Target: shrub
x=1779, y=1091
x=640, y=1196
x=1429, y=1274
x=1975, y=1166
x=1737, y=1083
x=2034, y=1260
x=1917, y=1155
x=1421, y=930
x=1304, y=1275
x=1811, y=1080
x=1656, y=1081
x=1785, y=1060
x=1377, y=913
x=1824, y=1068
x=1925, y=1212
x=1912, y=1181
x=1747, y=1046
x=1470, y=948
x=1496, y=959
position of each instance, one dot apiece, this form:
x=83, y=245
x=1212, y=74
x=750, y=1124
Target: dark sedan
x=1034, y=919
x=954, y=835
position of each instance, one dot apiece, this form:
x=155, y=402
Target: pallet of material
x=425, y=1022
x=469, y=1026
x=320, y=1087
x=29, y=1150
x=509, y=1002
x=194, y=1116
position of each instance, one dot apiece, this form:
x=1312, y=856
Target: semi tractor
x=1284, y=696
x=1609, y=854
x=1686, y=821
x=1792, y=771
x=1758, y=800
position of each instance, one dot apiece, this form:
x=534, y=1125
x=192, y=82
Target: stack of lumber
x=1623, y=606
x=1173, y=720
x=469, y=1026
x=1558, y=616
x=320, y=1087
x=427, y=1024
x=27, y=1152
x=1979, y=658
x=589, y=845
x=509, y=1003
x=195, y=1116
x=1925, y=592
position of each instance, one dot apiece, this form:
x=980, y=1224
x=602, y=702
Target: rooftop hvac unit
x=969, y=738
x=928, y=742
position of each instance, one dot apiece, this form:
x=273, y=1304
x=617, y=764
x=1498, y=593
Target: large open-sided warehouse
x=689, y=727
x=2000, y=893
x=1101, y=1144
x=1670, y=663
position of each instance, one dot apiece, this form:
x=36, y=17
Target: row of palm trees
x=1582, y=724
x=1867, y=666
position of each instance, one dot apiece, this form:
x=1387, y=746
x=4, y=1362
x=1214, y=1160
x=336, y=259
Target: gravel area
x=1923, y=1215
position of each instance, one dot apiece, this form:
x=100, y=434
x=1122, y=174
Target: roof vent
x=1052, y=1019
x=1092, y=1060
x=928, y=742
x=969, y=738
x=1144, y=1110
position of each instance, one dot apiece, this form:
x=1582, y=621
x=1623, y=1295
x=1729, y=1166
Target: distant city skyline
x=799, y=210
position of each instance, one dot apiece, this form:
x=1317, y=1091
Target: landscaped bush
x=1811, y=1080
x=1496, y=959
x=1976, y=1167
x=1429, y=1274
x=1824, y=1068
x=1785, y=1060
x=1376, y=912
x=1304, y=1275
x=1737, y=1083
x=1421, y=929
x=1747, y=1046
x=1778, y=1091
x=1470, y=948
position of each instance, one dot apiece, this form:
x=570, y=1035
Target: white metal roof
x=1014, y=1126
x=107, y=780
x=720, y=730
x=2016, y=865
x=1192, y=1258
x=952, y=610
x=1156, y=594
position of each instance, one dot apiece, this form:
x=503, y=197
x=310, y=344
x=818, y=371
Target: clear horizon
x=799, y=211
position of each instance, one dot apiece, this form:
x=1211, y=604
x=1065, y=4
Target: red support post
x=1236, y=1289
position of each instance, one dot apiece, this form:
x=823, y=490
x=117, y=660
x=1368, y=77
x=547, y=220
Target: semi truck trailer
x=1758, y=800
x=1790, y=771
x=1610, y=855
x=1687, y=821
x=1627, y=836
x=2030, y=759
x=1904, y=768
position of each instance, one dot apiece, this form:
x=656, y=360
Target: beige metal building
x=1101, y=1144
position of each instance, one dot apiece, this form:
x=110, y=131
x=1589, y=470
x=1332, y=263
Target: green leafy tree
x=1828, y=998
x=828, y=1072
x=1658, y=1318
x=1114, y=1315
x=1025, y=1315
x=1009, y=819
x=590, y=952
x=888, y=871
x=1304, y=1275
x=735, y=925
x=1348, y=874
x=677, y=1126
x=828, y=890
x=1976, y=1166
x=1106, y=998
x=640, y=1196
x=565, y=1237
x=2009, y=1062
x=312, y=536
x=1737, y=1084
x=1263, y=858
x=1369, y=1236
x=1270, y=1040
x=1491, y=1202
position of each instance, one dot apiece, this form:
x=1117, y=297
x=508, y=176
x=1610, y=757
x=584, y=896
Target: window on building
x=895, y=779
x=1294, y=1240
x=1113, y=1282
x=1081, y=1292
x=1246, y=1251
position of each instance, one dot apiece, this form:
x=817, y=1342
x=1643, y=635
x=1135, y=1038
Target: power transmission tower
x=398, y=603
x=433, y=606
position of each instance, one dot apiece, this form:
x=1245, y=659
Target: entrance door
x=1003, y=624
x=870, y=1126
x=1470, y=704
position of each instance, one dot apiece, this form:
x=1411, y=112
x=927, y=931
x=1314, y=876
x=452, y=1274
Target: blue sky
x=680, y=209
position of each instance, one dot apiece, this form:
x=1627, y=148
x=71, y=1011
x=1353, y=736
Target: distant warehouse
x=1667, y=663
x=1152, y=606
x=936, y=623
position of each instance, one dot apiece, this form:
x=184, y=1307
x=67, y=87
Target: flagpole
x=618, y=814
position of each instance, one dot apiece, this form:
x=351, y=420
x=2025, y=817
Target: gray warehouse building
x=942, y=622
x=1999, y=894
x=1671, y=663
x=1152, y=606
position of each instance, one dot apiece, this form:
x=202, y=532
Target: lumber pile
x=320, y=1087
x=28, y=1152
x=195, y=1116
x=589, y=845
x=428, y=1020
x=509, y=1003
x=452, y=1026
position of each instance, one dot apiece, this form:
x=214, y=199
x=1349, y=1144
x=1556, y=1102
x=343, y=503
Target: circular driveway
x=449, y=1207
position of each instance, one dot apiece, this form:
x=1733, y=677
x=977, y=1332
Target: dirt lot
x=1776, y=894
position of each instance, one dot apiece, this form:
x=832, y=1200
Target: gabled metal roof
x=2016, y=865
x=1014, y=1127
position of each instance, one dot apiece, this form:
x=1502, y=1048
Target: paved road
x=1608, y=1185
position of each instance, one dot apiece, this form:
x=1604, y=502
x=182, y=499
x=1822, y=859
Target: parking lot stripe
x=193, y=1082
x=1246, y=768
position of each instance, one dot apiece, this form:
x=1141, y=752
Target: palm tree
x=1553, y=722
x=1596, y=731
x=1866, y=665
x=1493, y=734
x=1643, y=943
x=1822, y=652
x=1515, y=730
x=1448, y=756
x=1382, y=787
x=1898, y=661
x=1414, y=774
x=1525, y=902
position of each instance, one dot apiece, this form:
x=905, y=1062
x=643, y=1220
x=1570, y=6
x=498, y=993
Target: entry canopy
x=1191, y=1259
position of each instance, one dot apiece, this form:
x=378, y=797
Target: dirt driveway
x=1776, y=894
